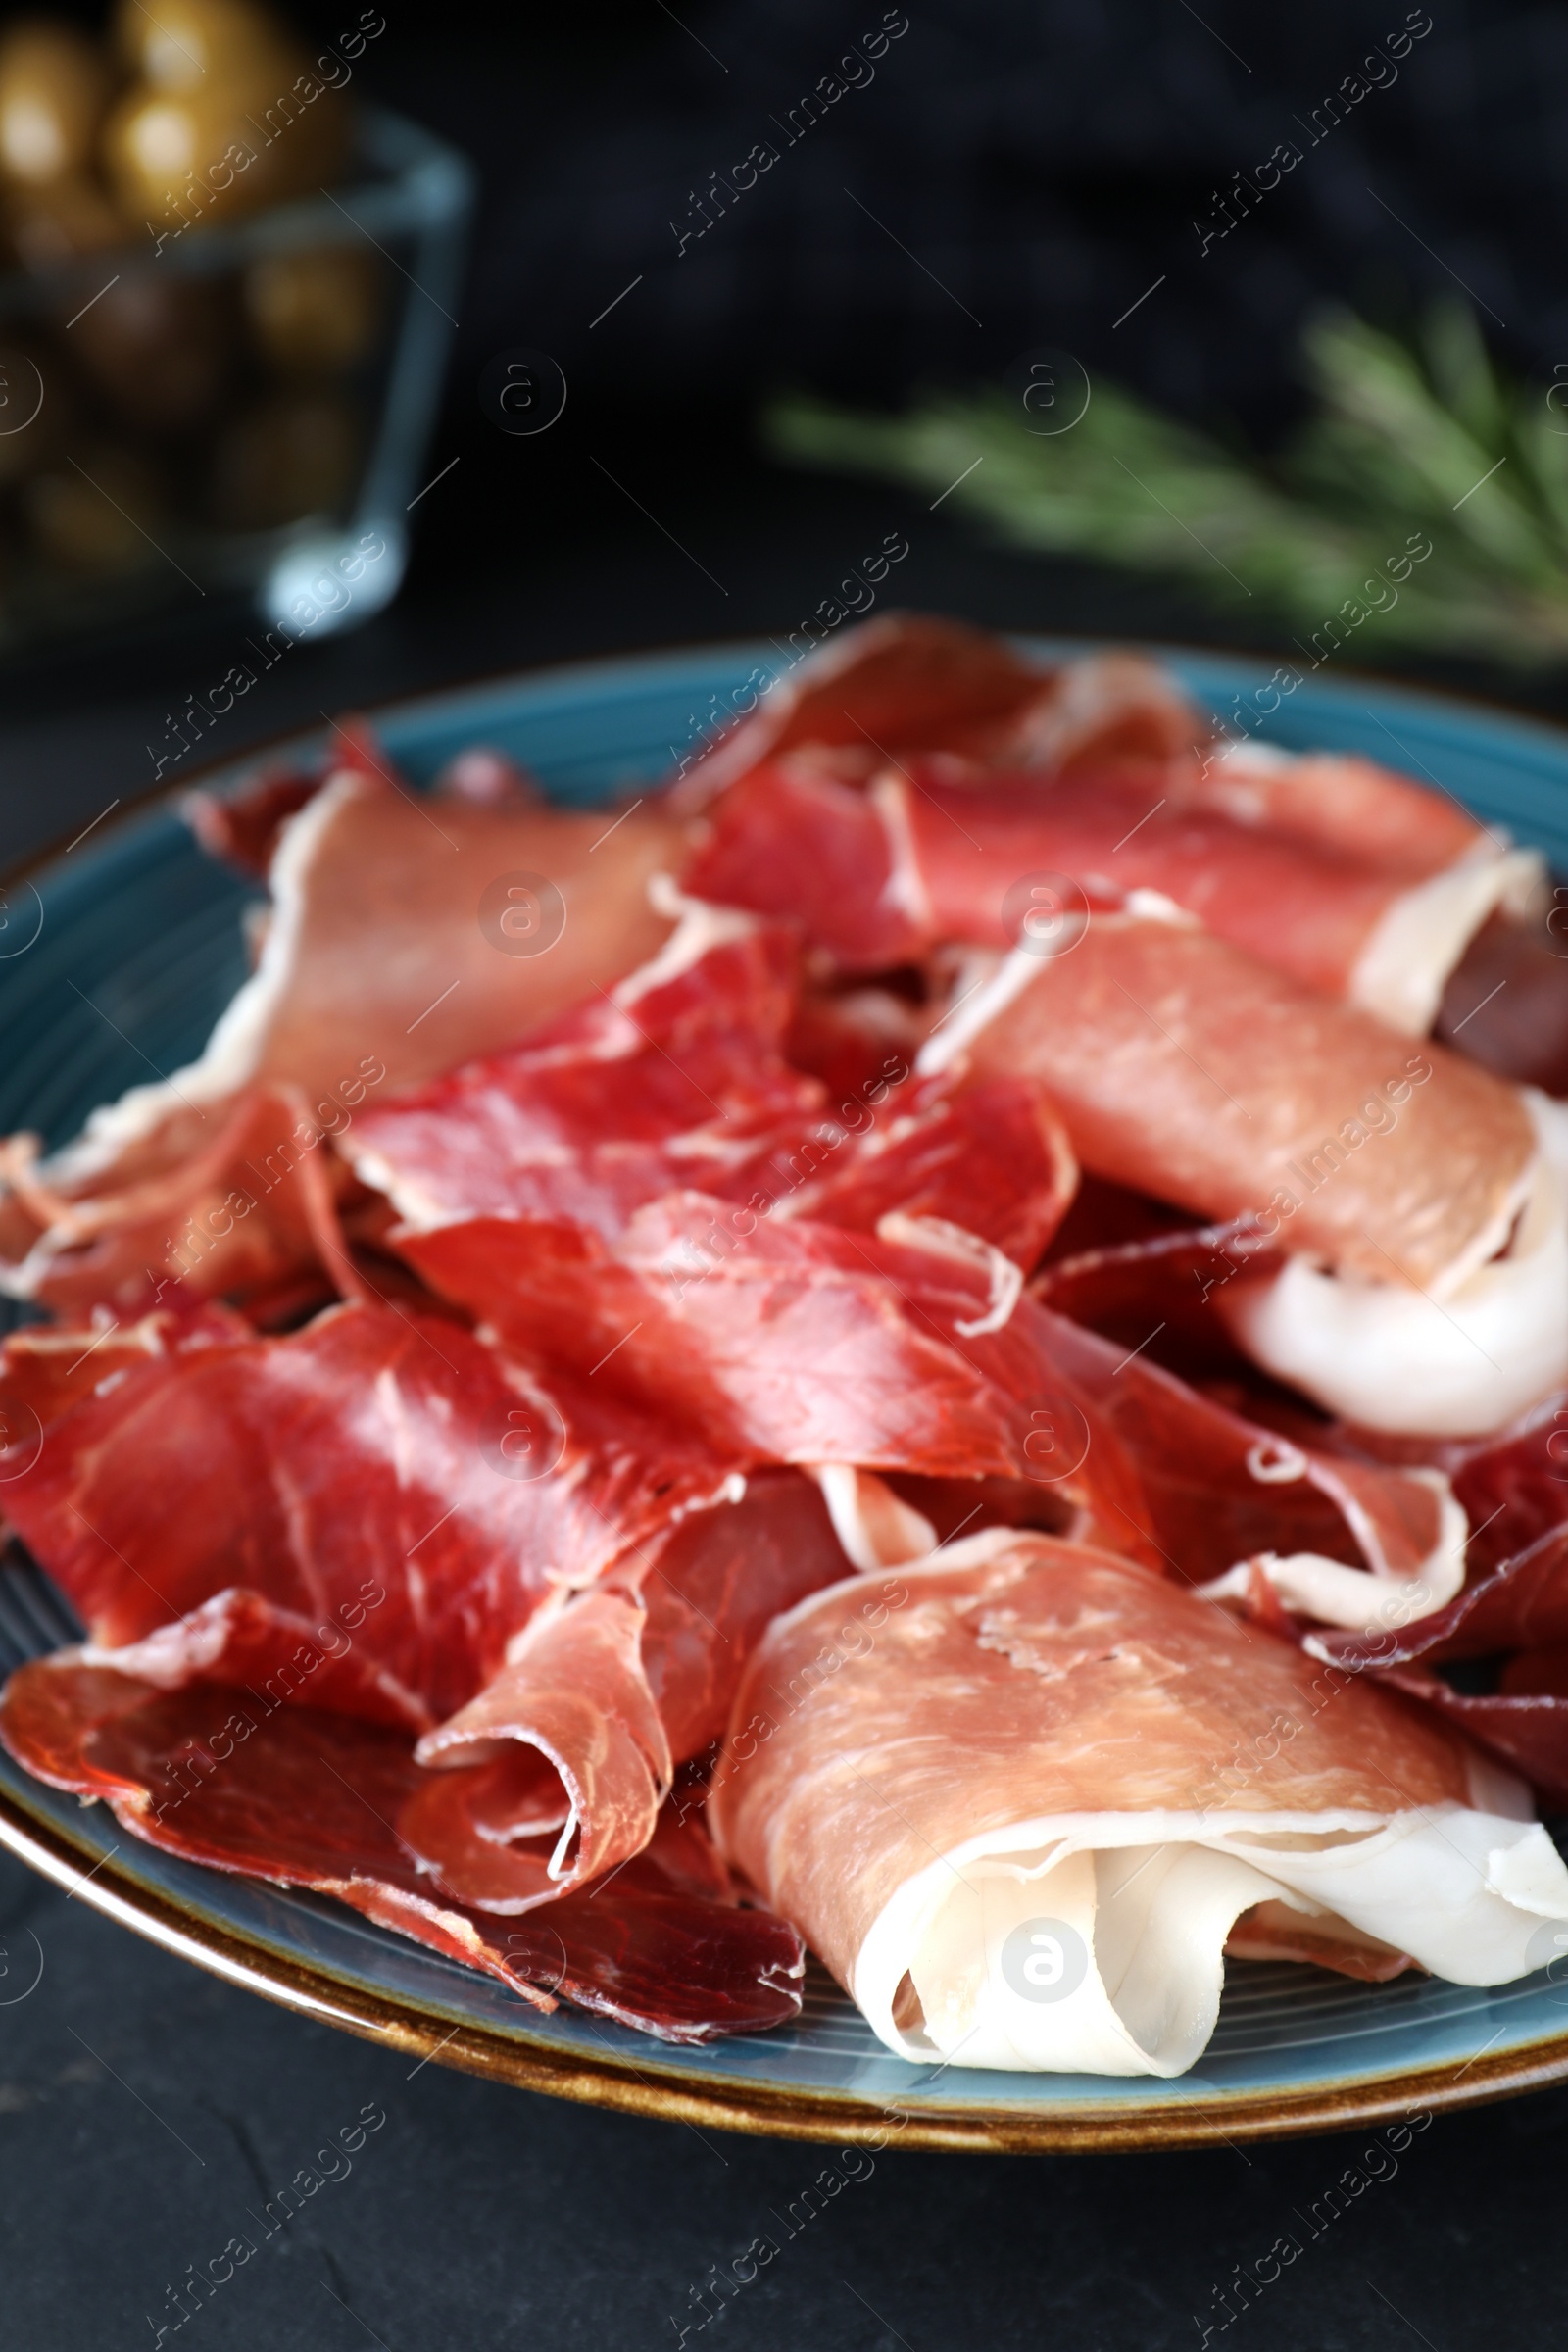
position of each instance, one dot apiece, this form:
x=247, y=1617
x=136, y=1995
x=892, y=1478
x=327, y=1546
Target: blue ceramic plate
x=114, y=964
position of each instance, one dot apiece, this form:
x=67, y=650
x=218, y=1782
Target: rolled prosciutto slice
x=931, y=852
x=1420, y=1199
x=1018, y=1797
x=406, y=933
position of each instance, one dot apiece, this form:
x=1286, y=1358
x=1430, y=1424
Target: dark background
x=1045, y=164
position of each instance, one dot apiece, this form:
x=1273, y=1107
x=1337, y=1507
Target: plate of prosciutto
x=856, y=1424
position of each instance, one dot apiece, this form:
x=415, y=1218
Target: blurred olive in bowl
x=52, y=89
x=314, y=312
x=157, y=348
x=46, y=227
x=98, y=517
x=286, y=457
x=183, y=43
x=177, y=158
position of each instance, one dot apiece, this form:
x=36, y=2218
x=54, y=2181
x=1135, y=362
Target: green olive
x=180, y=44
x=315, y=313
x=53, y=87
x=157, y=348
x=49, y=226
x=287, y=457
x=96, y=518
x=176, y=160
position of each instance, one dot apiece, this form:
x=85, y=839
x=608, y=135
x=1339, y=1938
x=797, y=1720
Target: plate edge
x=800, y=2115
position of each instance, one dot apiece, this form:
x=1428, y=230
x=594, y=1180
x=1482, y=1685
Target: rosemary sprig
x=1414, y=444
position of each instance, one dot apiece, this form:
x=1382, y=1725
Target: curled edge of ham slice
x=1021, y=1811
x=1419, y=941
x=1457, y=871
x=1462, y=1363
x=308, y=1796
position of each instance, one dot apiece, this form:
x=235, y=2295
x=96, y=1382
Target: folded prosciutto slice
x=1420, y=1199
x=393, y=1531
x=405, y=932
x=1337, y=801
x=225, y=1759
x=1241, y=1509
x=501, y=1545
x=678, y=1077
x=910, y=1349
x=674, y=1075
x=909, y=681
x=1018, y=1796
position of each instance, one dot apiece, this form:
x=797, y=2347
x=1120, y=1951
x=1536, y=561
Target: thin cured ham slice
x=865, y=1353
x=1017, y=1797
x=908, y=682
x=1103, y=707
x=678, y=1077
x=243, y=826
x=1418, y=1197
x=1504, y=999
x=1513, y=1611
x=372, y=1446
x=190, y=1759
x=910, y=1349
x=1516, y=1614
x=427, y=929
x=1239, y=1508
x=1336, y=800
x=931, y=852
x=1186, y=1069
x=405, y=933
x=1156, y=1289
x=557, y=1770
x=231, y=1201
x=506, y=1563
x=791, y=840
x=1384, y=939
x=989, y=1160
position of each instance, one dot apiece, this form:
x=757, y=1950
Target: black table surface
x=149, y=2113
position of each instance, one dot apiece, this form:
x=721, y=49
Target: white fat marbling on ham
x=905, y=884
x=962, y=1247
x=875, y=1528
x=699, y=927
x=988, y=985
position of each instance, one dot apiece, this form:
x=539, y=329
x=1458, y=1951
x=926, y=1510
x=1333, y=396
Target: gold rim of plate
x=775, y=2112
